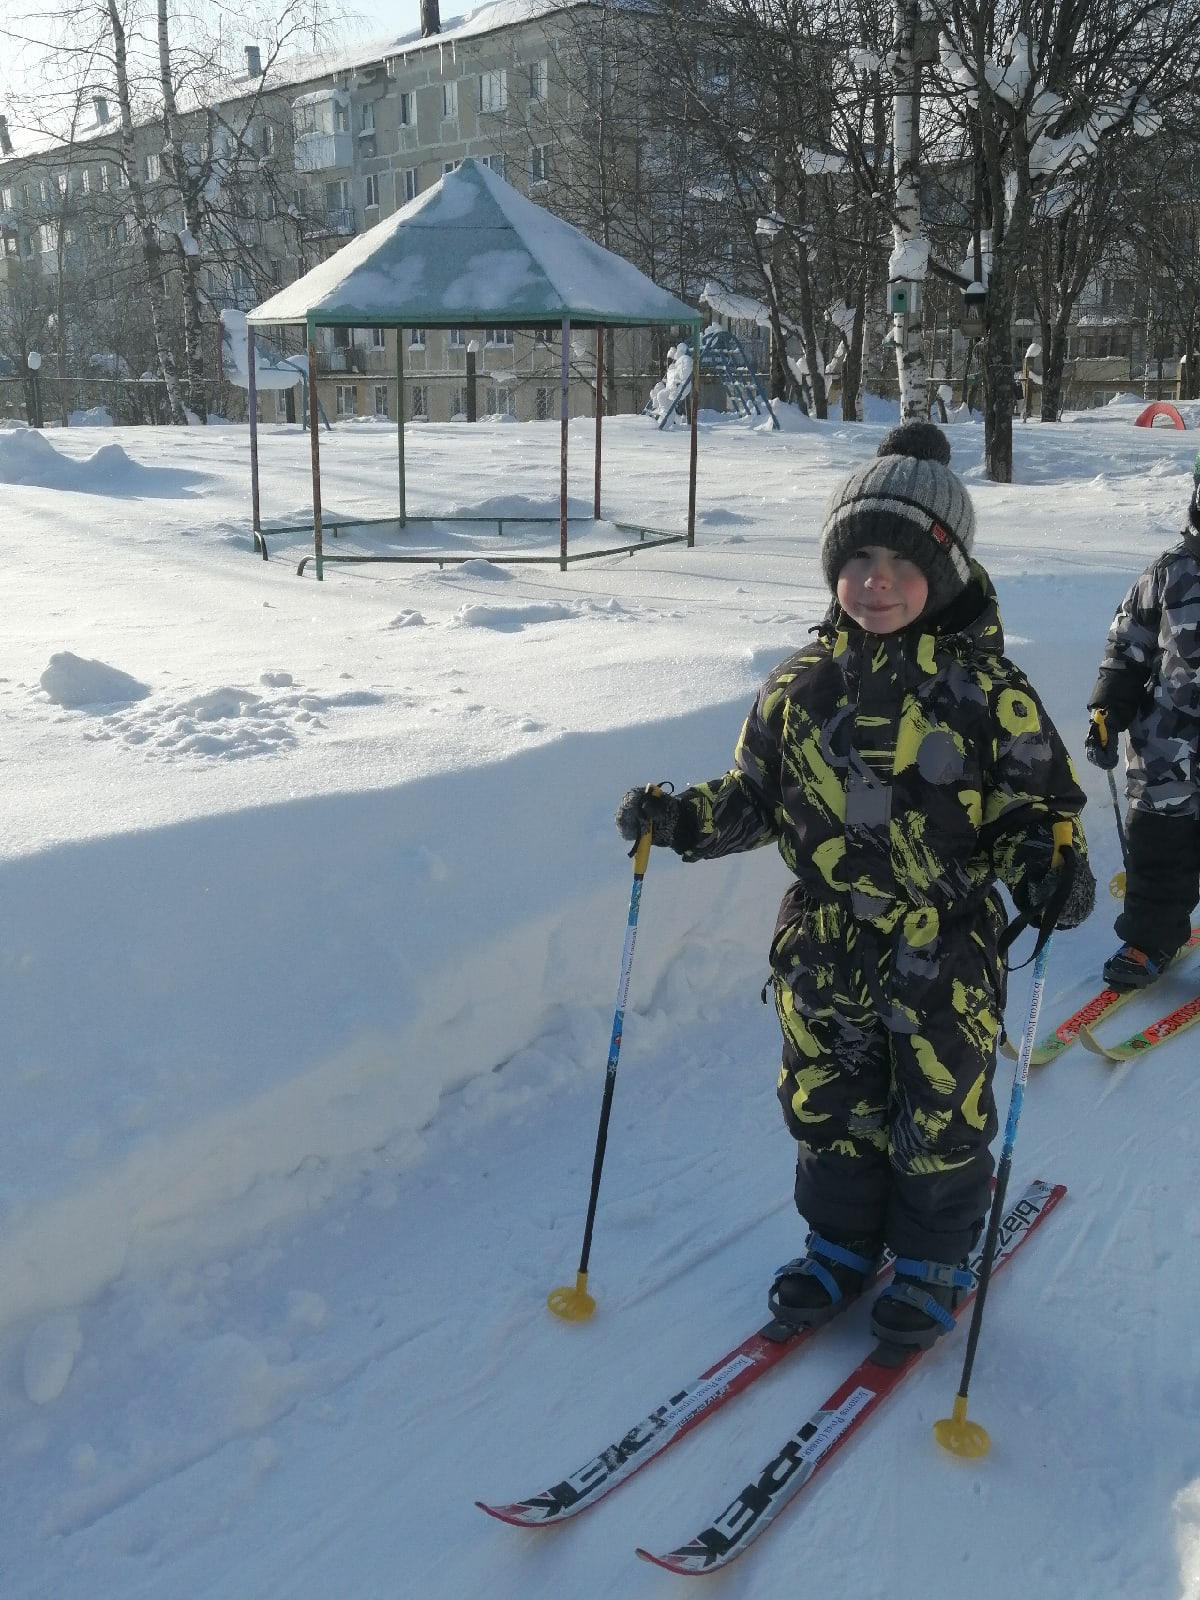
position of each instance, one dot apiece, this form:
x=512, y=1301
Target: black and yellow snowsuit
x=900, y=776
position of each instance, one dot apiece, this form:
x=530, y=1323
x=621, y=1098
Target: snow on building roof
x=473, y=252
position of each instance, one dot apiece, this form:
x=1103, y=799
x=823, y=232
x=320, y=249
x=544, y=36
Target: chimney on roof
x=5, y=141
x=100, y=107
x=253, y=61
x=431, y=18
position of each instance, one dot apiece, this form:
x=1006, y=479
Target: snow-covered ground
x=311, y=913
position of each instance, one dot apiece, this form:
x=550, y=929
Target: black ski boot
x=1131, y=968
x=913, y=1312
x=815, y=1287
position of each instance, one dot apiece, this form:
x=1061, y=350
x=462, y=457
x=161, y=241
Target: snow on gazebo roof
x=473, y=252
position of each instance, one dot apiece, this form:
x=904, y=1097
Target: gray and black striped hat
x=909, y=501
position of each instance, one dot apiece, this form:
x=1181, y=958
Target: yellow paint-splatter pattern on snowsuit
x=901, y=777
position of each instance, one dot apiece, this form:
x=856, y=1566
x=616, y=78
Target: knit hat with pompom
x=909, y=501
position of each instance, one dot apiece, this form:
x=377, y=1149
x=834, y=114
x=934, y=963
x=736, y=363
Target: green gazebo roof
x=473, y=252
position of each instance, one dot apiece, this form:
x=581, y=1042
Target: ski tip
x=516, y=1516
x=667, y=1563
x=1090, y=1042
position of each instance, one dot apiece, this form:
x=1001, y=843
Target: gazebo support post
x=314, y=431
x=252, y=407
x=691, y=522
x=400, y=420
x=599, y=418
x=562, y=448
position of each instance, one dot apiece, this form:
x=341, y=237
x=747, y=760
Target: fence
x=127, y=400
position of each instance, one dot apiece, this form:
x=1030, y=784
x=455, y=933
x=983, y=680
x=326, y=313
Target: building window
x=543, y=405
x=420, y=402
x=44, y=191
x=408, y=110
x=153, y=167
x=458, y=405
x=493, y=90
x=62, y=185
x=416, y=338
x=105, y=178
x=371, y=191
x=502, y=336
x=500, y=401
x=450, y=166
x=450, y=99
x=368, y=117
x=266, y=139
x=6, y=200
x=122, y=177
x=457, y=339
x=85, y=180
x=341, y=115
x=345, y=397
x=539, y=79
x=496, y=164
x=539, y=163
x=412, y=185
x=381, y=405
x=378, y=338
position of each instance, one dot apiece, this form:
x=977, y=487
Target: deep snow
x=311, y=912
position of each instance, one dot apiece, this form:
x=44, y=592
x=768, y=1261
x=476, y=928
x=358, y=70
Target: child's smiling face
x=882, y=591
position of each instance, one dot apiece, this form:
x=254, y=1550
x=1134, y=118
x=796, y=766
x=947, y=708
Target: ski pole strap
x=1064, y=857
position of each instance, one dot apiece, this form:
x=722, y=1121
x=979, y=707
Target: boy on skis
x=901, y=765
x=1147, y=685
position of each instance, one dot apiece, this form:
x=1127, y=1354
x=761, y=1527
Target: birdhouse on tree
x=974, y=322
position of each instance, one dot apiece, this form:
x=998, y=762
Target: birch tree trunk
x=175, y=162
x=152, y=251
x=911, y=366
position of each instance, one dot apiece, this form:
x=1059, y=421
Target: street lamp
x=472, y=403
x=34, y=362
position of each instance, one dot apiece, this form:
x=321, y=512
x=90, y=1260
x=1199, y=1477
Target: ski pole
x=1116, y=884
x=572, y=1301
x=957, y=1433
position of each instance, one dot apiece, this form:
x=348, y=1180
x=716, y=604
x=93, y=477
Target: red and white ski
x=662, y=1427
x=813, y=1445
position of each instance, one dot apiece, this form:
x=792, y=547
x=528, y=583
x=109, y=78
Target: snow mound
x=76, y=684
x=26, y=457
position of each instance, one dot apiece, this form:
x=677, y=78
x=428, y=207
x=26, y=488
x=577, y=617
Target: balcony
x=344, y=358
x=332, y=223
x=319, y=152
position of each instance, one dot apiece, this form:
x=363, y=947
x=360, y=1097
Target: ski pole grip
x=1063, y=832
x=641, y=850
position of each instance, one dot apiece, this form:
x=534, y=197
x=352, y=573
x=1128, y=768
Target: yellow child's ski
x=1155, y=1033
x=1082, y=1023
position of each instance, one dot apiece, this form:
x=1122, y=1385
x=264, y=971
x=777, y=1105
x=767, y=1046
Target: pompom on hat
x=909, y=501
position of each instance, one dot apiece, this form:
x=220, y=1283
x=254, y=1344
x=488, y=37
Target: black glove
x=650, y=807
x=1103, y=743
x=1043, y=881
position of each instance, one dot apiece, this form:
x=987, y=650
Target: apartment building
x=287, y=166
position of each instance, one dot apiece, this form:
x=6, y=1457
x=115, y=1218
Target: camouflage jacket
x=1149, y=680
x=894, y=772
